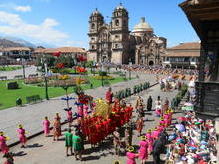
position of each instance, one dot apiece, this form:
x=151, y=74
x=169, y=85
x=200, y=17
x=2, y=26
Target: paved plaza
x=29, y=70
x=31, y=116
x=43, y=150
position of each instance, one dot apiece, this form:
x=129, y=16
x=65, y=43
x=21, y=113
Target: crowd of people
x=191, y=140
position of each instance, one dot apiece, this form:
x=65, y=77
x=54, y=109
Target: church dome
x=143, y=26
x=96, y=13
x=120, y=7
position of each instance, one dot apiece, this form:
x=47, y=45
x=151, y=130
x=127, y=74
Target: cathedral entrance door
x=151, y=63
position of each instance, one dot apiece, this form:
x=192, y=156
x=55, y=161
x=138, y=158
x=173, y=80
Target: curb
x=63, y=123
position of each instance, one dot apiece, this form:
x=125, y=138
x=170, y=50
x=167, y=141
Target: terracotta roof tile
x=186, y=46
x=61, y=49
x=17, y=49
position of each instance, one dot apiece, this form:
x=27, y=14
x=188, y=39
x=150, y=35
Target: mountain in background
x=7, y=43
x=17, y=41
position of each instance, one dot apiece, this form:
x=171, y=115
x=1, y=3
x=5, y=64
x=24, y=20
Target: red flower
x=57, y=54
x=60, y=65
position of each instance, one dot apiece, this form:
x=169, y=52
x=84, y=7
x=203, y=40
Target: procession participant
x=139, y=125
x=68, y=142
x=46, y=126
x=22, y=136
x=116, y=141
x=56, y=127
x=3, y=146
x=131, y=156
x=109, y=95
x=149, y=103
x=9, y=158
x=149, y=140
x=77, y=145
x=69, y=117
x=139, y=101
x=143, y=151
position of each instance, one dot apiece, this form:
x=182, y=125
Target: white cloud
x=22, y=8
x=12, y=24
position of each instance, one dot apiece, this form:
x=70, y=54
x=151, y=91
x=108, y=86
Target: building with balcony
x=184, y=55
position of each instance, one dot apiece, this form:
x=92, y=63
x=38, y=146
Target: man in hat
x=21, y=134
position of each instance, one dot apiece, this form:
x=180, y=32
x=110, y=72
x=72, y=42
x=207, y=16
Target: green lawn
x=8, y=97
x=9, y=68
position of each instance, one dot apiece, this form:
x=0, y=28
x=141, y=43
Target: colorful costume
x=46, y=124
x=3, y=146
x=131, y=158
x=143, y=151
x=21, y=135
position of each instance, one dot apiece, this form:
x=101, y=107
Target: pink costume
x=85, y=110
x=21, y=135
x=46, y=124
x=131, y=158
x=162, y=122
x=155, y=134
x=143, y=151
x=158, y=112
x=80, y=110
x=150, y=142
x=69, y=116
x=3, y=146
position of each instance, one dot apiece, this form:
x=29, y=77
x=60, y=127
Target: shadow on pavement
x=36, y=145
x=20, y=153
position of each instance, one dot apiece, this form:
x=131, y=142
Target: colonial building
x=204, y=17
x=114, y=42
x=184, y=55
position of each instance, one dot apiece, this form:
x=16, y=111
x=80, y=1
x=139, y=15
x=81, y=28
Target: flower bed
x=103, y=77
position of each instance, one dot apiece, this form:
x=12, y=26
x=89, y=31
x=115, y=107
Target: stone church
x=114, y=42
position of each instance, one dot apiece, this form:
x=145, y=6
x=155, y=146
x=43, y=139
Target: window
x=92, y=47
x=92, y=26
x=116, y=36
x=116, y=46
x=117, y=22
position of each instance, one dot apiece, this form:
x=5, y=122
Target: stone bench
x=3, y=78
x=33, y=99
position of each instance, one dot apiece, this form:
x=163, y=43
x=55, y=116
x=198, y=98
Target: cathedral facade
x=114, y=43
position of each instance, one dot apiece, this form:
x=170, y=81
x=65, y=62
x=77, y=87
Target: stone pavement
x=44, y=150
x=11, y=74
x=31, y=116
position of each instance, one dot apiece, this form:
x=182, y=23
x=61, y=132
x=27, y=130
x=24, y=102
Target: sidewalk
x=31, y=116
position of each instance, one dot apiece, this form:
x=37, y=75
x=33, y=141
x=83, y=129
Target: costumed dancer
x=22, y=136
x=139, y=125
x=3, y=146
x=109, y=96
x=143, y=151
x=69, y=117
x=46, y=125
x=131, y=156
x=150, y=141
x=116, y=141
x=56, y=127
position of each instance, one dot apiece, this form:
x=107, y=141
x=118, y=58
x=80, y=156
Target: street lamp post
x=102, y=75
x=23, y=66
x=45, y=78
x=130, y=64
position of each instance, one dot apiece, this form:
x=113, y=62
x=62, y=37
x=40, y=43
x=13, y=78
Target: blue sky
x=65, y=22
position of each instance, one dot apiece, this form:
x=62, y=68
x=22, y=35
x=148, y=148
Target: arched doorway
x=151, y=63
